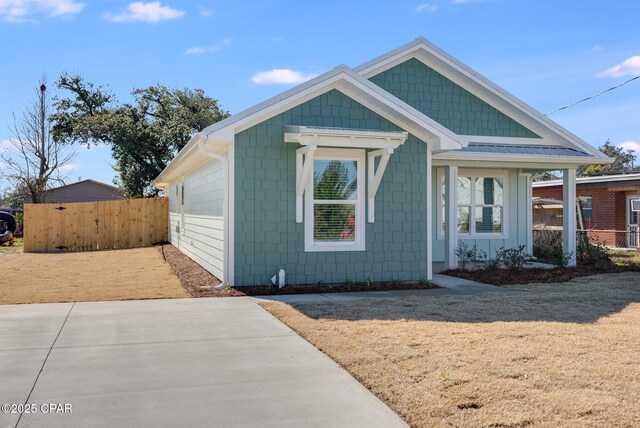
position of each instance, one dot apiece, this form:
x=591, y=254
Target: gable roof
x=99, y=183
x=443, y=63
x=346, y=81
x=354, y=83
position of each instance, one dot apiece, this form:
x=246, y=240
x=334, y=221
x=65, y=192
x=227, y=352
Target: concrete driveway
x=184, y=362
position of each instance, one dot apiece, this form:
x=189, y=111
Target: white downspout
x=225, y=205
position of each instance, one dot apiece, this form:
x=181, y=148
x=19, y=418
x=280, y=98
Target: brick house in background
x=607, y=207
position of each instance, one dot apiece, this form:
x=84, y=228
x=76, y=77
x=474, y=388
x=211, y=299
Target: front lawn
x=546, y=355
x=138, y=273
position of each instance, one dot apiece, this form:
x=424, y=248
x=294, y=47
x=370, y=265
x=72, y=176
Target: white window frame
x=310, y=245
x=472, y=234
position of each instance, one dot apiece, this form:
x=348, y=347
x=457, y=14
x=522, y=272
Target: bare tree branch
x=36, y=159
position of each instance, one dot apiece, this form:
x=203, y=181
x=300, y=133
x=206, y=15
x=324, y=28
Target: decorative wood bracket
x=375, y=176
x=304, y=166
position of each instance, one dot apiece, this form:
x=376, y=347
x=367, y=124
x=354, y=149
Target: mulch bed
x=336, y=288
x=200, y=283
x=528, y=276
x=193, y=277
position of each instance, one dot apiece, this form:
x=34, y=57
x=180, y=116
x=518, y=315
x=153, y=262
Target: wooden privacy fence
x=86, y=226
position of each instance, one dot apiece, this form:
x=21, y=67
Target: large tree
x=35, y=160
x=623, y=161
x=144, y=135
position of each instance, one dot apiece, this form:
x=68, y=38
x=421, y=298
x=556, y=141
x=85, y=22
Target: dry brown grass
x=139, y=273
x=550, y=355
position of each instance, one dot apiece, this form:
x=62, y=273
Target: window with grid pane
x=480, y=205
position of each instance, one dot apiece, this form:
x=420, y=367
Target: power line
x=593, y=96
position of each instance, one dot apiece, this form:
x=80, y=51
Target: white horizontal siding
x=174, y=229
x=174, y=198
x=201, y=237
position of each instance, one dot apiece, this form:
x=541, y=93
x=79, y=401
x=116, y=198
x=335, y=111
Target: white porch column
x=451, y=217
x=430, y=205
x=569, y=213
x=529, y=213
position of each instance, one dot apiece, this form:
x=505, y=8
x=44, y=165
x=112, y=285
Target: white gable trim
x=430, y=55
x=343, y=79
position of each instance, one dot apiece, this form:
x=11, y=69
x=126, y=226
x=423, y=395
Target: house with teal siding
x=375, y=172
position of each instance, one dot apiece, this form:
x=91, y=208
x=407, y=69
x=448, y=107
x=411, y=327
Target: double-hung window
x=334, y=207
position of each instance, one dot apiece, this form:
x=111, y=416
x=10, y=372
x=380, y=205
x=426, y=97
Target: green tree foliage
x=143, y=135
x=623, y=161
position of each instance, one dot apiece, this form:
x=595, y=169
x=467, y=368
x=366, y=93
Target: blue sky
x=548, y=53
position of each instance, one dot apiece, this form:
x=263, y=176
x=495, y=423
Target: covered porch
x=488, y=204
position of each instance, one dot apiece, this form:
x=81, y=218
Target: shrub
x=512, y=259
x=462, y=252
x=559, y=257
x=589, y=254
x=545, y=243
x=473, y=255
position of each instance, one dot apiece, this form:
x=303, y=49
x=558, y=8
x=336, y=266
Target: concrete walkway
x=450, y=286
x=168, y=363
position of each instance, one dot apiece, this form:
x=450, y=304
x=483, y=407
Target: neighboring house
x=376, y=172
x=547, y=213
x=82, y=191
x=609, y=212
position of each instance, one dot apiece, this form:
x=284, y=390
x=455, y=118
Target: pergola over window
x=330, y=171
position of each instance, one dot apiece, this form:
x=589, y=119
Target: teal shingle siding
x=267, y=237
x=447, y=103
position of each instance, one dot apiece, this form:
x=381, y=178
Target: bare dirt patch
x=549, y=355
x=138, y=273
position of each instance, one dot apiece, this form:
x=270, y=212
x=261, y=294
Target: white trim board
x=346, y=138
x=508, y=157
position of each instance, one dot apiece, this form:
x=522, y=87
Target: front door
x=632, y=221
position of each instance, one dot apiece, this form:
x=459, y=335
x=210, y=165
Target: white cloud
x=69, y=167
x=151, y=13
x=631, y=145
x=209, y=49
x=6, y=145
x=596, y=48
x=21, y=10
x=426, y=7
x=281, y=76
x=629, y=67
